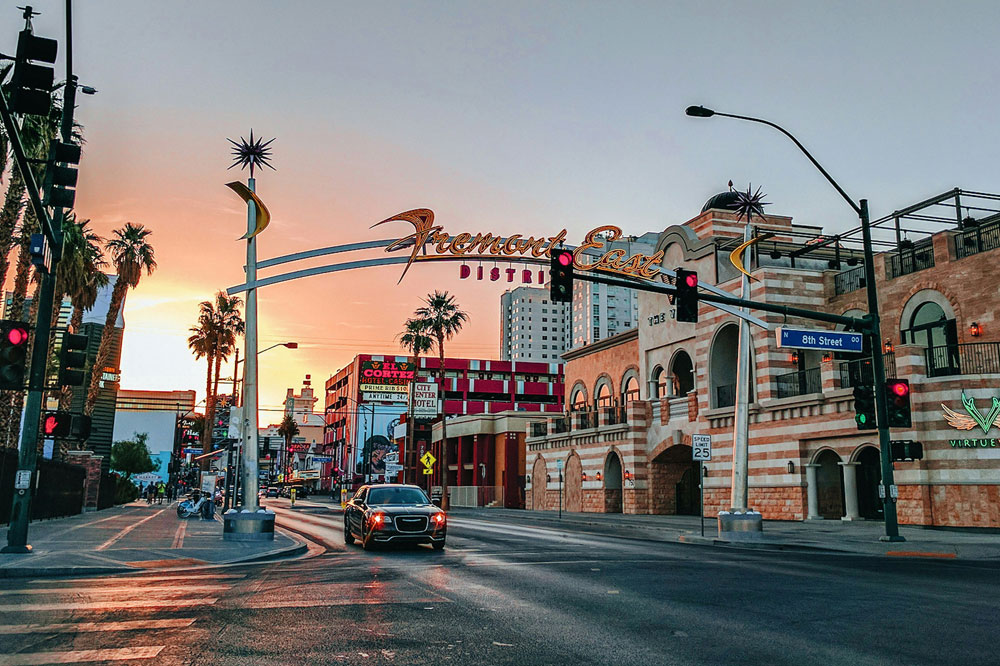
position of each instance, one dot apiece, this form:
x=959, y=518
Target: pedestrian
x=150, y=491
x=170, y=493
x=161, y=491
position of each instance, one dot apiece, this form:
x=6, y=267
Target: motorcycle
x=193, y=506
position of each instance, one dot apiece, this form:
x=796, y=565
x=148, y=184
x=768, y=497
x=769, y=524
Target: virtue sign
x=799, y=338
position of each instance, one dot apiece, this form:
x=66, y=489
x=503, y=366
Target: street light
x=873, y=331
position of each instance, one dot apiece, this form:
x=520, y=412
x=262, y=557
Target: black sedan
x=393, y=513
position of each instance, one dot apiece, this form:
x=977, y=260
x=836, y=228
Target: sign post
x=559, y=465
x=701, y=451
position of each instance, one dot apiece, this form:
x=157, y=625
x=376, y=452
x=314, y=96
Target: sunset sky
x=511, y=117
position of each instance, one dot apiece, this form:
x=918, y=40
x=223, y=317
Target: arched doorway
x=722, y=366
x=930, y=327
x=869, y=476
x=830, y=485
x=612, y=483
x=573, y=484
x=538, y=485
x=674, y=482
x=682, y=374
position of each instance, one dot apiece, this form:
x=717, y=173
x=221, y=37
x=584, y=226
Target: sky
x=510, y=117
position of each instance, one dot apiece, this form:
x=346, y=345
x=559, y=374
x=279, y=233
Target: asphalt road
x=506, y=594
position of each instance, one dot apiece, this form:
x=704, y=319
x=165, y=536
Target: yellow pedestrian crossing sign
x=428, y=470
x=428, y=459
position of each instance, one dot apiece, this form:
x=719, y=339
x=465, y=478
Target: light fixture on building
x=975, y=330
x=584, y=476
x=852, y=261
x=827, y=357
x=600, y=477
x=794, y=357
x=888, y=347
x=548, y=478
x=791, y=467
x=628, y=475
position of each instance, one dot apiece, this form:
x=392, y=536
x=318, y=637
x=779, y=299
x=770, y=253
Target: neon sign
x=975, y=417
x=488, y=246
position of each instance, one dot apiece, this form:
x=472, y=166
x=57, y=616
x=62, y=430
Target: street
x=512, y=594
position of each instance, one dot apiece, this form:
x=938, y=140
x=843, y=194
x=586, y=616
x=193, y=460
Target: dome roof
x=723, y=200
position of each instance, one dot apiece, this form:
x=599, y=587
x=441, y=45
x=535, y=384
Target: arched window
x=603, y=397
x=681, y=374
x=578, y=398
x=659, y=382
x=722, y=366
x=631, y=390
x=931, y=328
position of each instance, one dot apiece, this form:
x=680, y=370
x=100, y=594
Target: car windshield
x=397, y=496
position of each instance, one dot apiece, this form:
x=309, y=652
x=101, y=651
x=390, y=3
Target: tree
x=131, y=456
x=202, y=343
x=229, y=325
x=131, y=254
x=442, y=319
x=287, y=429
x=417, y=342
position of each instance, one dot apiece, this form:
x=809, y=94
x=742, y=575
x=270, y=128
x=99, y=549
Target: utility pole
x=17, y=533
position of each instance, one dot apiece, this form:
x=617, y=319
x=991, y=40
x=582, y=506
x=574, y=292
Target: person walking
x=150, y=492
x=161, y=491
x=170, y=493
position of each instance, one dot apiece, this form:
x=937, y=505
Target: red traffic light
x=899, y=388
x=17, y=336
x=691, y=280
x=565, y=258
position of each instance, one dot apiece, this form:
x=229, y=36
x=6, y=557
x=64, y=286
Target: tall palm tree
x=131, y=254
x=442, y=319
x=417, y=342
x=229, y=325
x=202, y=343
x=287, y=429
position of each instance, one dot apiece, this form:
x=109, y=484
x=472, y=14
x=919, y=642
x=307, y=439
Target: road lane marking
x=137, y=579
x=113, y=540
x=915, y=553
x=83, y=627
x=179, y=535
x=118, y=590
x=107, y=606
x=78, y=656
x=312, y=603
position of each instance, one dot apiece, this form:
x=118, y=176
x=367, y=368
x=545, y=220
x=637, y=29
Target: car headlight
x=439, y=519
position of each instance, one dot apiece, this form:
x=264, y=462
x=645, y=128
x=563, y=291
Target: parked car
x=300, y=491
x=272, y=492
x=393, y=513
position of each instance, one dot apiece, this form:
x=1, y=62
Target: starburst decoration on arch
x=252, y=153
x=750, y=203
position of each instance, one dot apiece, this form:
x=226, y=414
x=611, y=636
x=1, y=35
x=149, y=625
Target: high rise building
x=533, y=328
x=600, y=311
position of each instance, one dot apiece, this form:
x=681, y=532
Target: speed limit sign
x=701, y=447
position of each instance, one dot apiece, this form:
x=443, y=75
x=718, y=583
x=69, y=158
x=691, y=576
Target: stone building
x=636, y=398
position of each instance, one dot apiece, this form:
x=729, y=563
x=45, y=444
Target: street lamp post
x=873, y=328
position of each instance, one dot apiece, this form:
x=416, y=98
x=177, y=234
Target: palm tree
x=131, y=253
x=442, y=319
x=228, y=325
x=202, y=342
x=414, y=340
x=287, y=429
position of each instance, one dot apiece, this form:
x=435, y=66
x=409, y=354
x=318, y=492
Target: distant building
x=532, y=328
x=156, y=413
x=600, y=311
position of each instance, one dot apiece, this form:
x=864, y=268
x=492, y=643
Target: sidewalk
x=134, y=537
x=859, y=537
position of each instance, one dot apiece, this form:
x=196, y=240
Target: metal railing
x=560, y=425
x=910, y=260
x=849, y=280
x=473, y=496
x=725, y=395
x=860, y=373
x=802, y=382
x=979, y=238
x=615, y=415
x=586, y=420
x=974, y=358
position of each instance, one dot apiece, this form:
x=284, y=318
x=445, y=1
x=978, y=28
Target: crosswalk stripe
x=312, y=603
x=179, y=535
x=107, y=605
x=90, y=591
x=78, y=656
x=84, y=627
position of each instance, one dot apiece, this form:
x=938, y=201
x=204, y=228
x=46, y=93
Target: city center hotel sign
x=385, y=381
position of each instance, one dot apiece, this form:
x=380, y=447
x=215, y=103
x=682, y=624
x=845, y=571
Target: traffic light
x=65, y=425
x=13, y=354
x=561, y=276
x=72, y=359
x=60, y=175
x=906, y=449
x=31, y=84
x=897, y=395
x=686, y=299
x=864, y=407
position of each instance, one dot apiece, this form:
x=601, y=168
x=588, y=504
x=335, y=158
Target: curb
x=762, y=545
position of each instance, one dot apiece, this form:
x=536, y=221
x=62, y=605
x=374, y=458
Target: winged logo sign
x=974, y=416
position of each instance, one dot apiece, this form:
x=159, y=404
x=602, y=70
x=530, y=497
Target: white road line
x=83, y=627
x=113, y=540
x=78, y=656
x=179, y=535
x=118, y=590
x=108, y=606
x=310, y=603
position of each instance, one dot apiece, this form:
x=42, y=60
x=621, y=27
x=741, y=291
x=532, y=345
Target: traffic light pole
x=874, y=331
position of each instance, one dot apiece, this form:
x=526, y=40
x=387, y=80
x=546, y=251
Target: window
x=597, y=333
x=545, y=318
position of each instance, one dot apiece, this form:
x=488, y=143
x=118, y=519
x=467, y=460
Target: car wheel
x=437, y=545
x=348, y=535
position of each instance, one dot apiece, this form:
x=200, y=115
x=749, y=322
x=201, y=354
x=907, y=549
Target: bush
x=126, y=491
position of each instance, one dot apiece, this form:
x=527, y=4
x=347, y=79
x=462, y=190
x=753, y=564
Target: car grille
x=411, y=523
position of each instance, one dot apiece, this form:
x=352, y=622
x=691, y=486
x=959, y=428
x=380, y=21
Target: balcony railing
x=586, y=420
x=615, y=415
x=977, y=238
x=725, y=395
x=849, y=280
x=560, y=425
x=860, y=373
x=802, y=382
x=910, y=260
x=975, y=358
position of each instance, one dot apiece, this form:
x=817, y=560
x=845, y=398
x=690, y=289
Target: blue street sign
x=322, y=459
x=801, y=338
